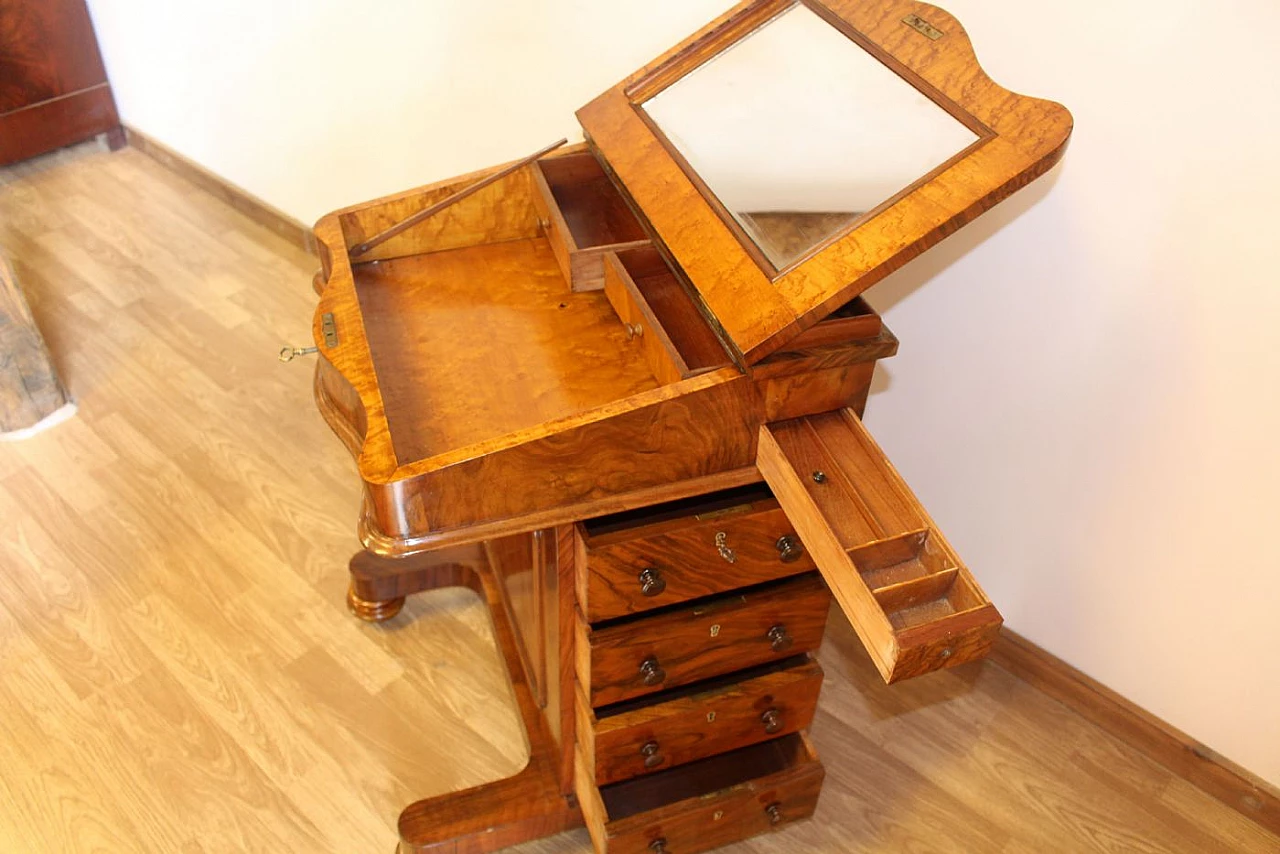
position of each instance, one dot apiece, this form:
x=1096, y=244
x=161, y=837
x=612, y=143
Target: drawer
x=678, y=553
x=710, y=638
x=677, y=727
x=914, y=604
x=706, y=804
x=584, y=216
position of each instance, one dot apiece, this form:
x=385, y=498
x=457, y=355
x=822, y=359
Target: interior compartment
x=914, y=581
x=584, y=216
x=593, y=209
x=675, y=310
x=705, y=777
x=461, y=360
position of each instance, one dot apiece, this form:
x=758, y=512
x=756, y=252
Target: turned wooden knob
x=779, y=639
x=658, y=846
x=772, y=721
x=774, y=811
x=652, y=582
x=652, y=755
x=651, y=672
x=789, y=549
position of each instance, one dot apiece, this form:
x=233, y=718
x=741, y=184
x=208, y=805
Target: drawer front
x=692, y=558
x=698, y=642
x=692, y=727
x=700, y=816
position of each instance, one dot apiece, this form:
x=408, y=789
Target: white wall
x=1087, y=396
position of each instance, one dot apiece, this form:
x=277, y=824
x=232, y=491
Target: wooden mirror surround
x=759, y=306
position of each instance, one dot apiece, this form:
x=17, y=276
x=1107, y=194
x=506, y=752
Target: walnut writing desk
x=616, y=389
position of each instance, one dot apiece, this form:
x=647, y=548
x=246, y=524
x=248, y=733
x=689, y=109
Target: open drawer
x=584, y=216
x=913, y=603
x=706, y=804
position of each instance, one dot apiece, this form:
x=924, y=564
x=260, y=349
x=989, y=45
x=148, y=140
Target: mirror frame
x=757, y=307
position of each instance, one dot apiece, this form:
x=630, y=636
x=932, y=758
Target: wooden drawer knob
x=651, y=672
x=651, y=582
x=774, y=811
x=779, y=639
x=772, y=721
x=652, y=755
x=659, y=846
x=789, y=549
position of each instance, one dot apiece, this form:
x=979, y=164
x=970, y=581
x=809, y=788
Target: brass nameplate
x=330, y=329
x=922, y=26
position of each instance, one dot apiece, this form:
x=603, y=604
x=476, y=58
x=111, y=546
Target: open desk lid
x=795, y=152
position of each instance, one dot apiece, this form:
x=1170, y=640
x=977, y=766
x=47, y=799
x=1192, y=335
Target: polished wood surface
x=53, y=87
x=712, y=802
x=584, y=217
x=435, y=208
x=702, y=640
x=915, y=605
x=30, y=389
x=683, y=556
x=462, y=359
x=181, y=673
x=683, y=726
x=761, y=309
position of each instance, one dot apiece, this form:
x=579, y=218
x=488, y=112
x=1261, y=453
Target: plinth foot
x=373, y=610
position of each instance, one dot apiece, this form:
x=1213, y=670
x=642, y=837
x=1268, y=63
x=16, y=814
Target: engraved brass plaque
x=923, y=27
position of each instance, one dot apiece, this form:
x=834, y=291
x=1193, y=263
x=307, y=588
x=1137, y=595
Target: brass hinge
x=923, y=27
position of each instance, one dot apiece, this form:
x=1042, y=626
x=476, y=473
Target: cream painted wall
x=1087, y=394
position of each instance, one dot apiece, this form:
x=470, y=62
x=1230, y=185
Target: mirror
x=798, y=132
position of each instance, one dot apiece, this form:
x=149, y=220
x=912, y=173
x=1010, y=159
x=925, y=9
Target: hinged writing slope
x=913, y=603
x=792, y=154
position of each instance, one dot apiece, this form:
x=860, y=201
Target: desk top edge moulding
x=616, y=388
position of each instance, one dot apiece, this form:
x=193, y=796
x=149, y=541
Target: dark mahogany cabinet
x=53, y=87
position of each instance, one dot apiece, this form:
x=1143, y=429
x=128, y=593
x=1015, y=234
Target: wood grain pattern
x=704, y=640
x=715, y=801
x=584, y=216
x=713, y=719
x=53, y=87
x=174, y=501
x=684, y=554
x=868, y=532
x=30, y=389
x=759, y=309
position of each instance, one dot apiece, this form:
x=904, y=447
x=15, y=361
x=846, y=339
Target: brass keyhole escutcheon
x=772, y=721
x=779, y=639
x=722, y=546
x=652, y=755
x=651, y=672
x=651, y=582
x=789, y=548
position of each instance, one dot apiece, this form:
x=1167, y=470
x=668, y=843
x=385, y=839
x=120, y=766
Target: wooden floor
x=178, y=672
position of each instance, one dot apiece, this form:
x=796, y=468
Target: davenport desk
x=616, y=389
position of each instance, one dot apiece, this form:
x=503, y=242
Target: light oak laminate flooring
x=178, y=672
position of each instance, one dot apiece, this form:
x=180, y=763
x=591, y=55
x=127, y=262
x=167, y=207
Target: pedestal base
x=527, y=806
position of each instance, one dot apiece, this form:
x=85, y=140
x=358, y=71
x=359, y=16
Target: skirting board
x=1215, y=775
x=248, y=204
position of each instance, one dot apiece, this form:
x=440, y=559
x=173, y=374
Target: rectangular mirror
x=798, y=132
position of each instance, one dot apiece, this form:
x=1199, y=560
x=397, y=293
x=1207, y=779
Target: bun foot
x=373, y=611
